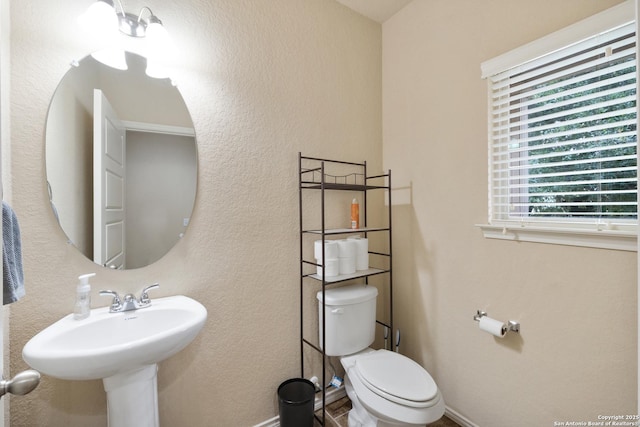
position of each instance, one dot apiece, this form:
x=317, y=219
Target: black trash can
x=296, y=399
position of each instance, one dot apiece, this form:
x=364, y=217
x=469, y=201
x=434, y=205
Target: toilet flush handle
x=337, y=311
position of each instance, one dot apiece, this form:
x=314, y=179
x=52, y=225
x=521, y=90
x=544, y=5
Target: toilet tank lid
x=348, y=295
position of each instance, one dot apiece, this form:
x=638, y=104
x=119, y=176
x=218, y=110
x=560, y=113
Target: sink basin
x=122, y=349
x=106, y=344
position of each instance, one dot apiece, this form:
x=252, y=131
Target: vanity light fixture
x=107, y=25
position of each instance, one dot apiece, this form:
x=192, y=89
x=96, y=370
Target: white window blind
x=563, y=137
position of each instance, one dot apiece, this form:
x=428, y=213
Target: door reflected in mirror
x=122, y=184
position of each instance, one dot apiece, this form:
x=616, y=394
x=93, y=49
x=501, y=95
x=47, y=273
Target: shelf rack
x=313, y=175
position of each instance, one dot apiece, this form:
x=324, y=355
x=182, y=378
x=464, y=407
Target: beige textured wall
x=263, y=79
x=576, y=356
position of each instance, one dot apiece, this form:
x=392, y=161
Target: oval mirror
x=121, y=162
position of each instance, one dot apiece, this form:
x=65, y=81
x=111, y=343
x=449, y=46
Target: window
x=562, y=133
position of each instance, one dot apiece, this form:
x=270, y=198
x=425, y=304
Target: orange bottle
x=355, y=214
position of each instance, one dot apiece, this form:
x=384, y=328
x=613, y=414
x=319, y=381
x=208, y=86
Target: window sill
x=604, y=239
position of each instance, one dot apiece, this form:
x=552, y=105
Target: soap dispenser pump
x=82, y=308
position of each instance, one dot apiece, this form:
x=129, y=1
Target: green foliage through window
x=565, y=137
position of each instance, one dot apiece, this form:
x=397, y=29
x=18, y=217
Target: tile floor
x=337, y=413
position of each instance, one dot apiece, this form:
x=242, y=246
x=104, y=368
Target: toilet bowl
x=389, y=389
x=386, y=388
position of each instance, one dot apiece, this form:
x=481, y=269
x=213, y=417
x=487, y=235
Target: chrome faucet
x=129, y=302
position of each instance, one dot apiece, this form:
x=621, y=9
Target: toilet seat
x=397, y=378
x=392, y=409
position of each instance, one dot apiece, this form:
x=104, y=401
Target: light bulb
x=112, y=57
x=158, y=41
x=157, y=49
x=156, y=70
x=100, y=22
x=99, y=19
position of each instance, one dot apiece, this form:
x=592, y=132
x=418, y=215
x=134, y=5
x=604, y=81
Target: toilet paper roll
x=347, y=248
x=493, y=326
x=362, y=252
x=330, y=249
x=332, y=265
x=347, y=265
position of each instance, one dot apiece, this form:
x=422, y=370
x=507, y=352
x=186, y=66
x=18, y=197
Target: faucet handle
x=116, y=304
x=144, y=296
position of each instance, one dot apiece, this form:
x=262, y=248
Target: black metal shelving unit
x=314, y=176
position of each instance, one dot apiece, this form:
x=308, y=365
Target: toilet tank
x=350, y=318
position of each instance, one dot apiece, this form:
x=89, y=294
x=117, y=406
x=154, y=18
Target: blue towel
x=12, y=274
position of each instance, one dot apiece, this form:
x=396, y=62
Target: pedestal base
x=132, y=398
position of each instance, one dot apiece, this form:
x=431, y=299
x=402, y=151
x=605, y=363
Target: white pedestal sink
x=122, y=349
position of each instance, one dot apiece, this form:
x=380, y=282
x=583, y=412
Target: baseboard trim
x=332, y=395
x=458, y=418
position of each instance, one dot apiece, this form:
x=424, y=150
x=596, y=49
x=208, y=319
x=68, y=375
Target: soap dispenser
x=82, y=308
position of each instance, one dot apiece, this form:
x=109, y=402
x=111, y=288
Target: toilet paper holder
x=512, y=325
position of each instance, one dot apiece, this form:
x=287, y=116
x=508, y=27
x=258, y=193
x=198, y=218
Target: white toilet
x=385, y=388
